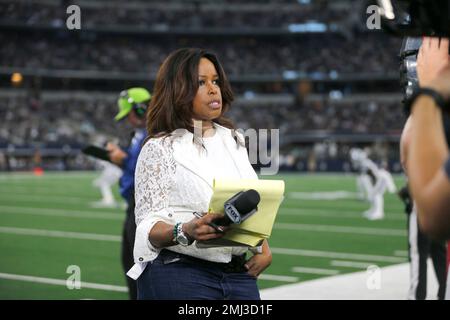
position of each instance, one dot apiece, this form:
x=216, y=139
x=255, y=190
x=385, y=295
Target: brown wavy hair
x=175, y=88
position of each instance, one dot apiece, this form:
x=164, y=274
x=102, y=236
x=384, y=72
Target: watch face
x=182, y=239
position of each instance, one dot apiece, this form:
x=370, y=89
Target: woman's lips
x=215, y=104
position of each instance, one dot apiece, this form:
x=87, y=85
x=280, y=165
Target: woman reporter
x=190, y=143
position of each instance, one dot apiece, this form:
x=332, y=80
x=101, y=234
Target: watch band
x=175, y=231
x=437, y=97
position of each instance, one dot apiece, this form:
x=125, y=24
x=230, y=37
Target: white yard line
x=47, y=199
x=341, y=229
x=62, y=213
x=49, y=175
x=333, y=214
x=401, y=253
x=112, y=216
x=108, y=287
x=328, y=272
x=393, y=285
x=274, y=277
x=324, y=195
x=336, y=255
x=284, y=251
x=350, y=264
x=60, y=234
x=42, y=191
x=59, y=282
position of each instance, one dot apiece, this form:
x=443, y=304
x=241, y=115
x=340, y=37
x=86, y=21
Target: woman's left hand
x=258, y=263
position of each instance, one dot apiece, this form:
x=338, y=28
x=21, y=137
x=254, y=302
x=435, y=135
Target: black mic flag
x=240, y=207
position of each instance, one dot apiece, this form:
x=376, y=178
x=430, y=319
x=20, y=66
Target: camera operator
x=420, y=246
x=428, y=155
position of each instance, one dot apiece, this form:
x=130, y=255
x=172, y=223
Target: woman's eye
x=201, y=82
x=216, y=82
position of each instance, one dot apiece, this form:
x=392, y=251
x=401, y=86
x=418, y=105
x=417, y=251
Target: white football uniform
x=110, y=175
x=372, y=183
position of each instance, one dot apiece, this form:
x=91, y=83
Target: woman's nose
x=212, y=89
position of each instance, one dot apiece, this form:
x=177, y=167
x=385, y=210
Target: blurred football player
x=109, y=177
x=364, y=180
x=372, y=182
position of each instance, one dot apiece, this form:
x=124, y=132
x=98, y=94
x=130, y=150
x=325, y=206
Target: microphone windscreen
x=247, y=201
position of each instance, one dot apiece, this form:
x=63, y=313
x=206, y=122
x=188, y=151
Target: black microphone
x=240, y=207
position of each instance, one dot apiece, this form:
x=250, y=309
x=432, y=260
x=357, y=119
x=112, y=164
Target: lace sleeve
x=155, y=172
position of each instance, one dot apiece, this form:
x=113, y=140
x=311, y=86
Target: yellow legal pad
x=258, y=227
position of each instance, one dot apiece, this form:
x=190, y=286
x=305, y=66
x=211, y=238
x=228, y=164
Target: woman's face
x=207, y=104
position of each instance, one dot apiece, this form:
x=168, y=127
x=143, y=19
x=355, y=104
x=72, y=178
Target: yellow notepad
x=256, y=228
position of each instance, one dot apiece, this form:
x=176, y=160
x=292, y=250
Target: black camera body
x=415, y=18
x=409, y=79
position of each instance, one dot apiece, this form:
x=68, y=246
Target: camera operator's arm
x=429, y=182
x=428, y=150
x=405, y=141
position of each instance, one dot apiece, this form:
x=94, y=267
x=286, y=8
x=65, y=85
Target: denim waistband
x=236, y=265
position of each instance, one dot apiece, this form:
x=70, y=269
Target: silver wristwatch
x=181, y=237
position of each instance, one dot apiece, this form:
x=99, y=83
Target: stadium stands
x=240, y=56
x=179, y=14
x=303, y=83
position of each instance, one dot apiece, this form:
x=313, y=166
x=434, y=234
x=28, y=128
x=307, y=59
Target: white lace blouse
x=173, y=179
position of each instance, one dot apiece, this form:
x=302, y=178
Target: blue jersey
x=126, y=182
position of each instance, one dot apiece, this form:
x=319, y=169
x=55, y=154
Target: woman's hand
x=258, y=263
x=201, y=229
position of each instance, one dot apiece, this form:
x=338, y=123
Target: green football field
x=49, y=228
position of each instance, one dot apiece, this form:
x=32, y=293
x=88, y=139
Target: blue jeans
x=175, y=276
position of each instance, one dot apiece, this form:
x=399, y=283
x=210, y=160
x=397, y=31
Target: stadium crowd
x=74, y=121
x=164, y=15
x=241, y=56
x=325, y=116
x=58, y=122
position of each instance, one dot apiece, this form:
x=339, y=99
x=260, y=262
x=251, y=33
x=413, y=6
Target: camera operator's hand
x=432, y=58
